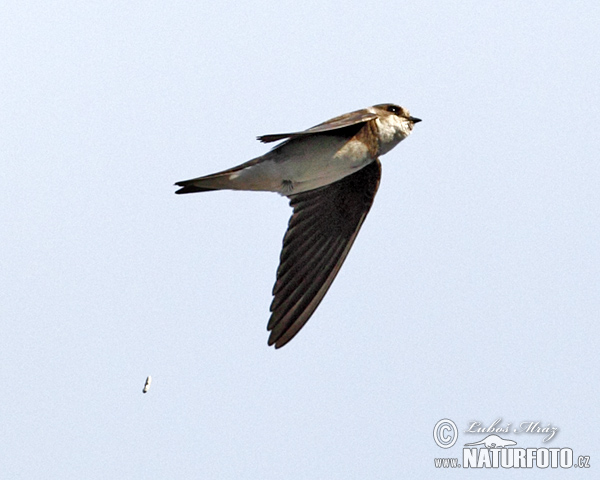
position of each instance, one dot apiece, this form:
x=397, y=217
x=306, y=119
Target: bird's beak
x=414, y=119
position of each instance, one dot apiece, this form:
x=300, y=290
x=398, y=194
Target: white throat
x=392, y=130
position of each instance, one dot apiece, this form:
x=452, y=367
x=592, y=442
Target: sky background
x=472, y=292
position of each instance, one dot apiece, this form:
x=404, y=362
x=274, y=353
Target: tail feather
x=216, y=181
x=189, y=187
x=225, y=180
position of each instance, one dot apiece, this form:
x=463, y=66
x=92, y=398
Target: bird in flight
x=330, y=173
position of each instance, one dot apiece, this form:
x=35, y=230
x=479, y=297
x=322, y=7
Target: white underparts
x=303, y=164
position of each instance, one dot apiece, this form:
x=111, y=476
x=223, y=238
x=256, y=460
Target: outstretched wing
x=343, y=121
x=320, y=233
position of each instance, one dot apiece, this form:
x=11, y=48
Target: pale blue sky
x=471, y=293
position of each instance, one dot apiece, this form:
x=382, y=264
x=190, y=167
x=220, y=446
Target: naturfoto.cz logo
x=495, y=451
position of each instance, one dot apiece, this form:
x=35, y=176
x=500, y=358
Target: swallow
x=330, y=173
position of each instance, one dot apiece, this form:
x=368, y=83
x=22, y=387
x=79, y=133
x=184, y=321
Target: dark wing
x=320, y=233
x=343, y=121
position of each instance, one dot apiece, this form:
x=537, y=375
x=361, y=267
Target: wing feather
x=321, y=231
x=337, y=123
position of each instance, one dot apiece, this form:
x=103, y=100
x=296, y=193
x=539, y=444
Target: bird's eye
x=393, y=109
